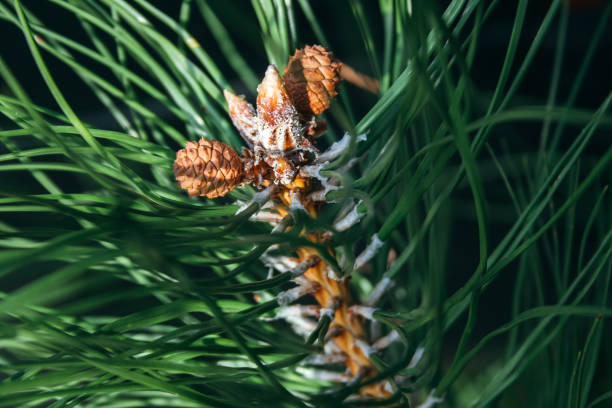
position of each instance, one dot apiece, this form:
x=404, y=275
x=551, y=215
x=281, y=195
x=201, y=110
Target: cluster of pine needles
x=118, y=290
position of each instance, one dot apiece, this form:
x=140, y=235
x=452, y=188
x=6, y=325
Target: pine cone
x=208, y=168
x=311, y=79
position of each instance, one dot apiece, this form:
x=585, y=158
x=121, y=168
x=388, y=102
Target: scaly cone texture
x=208, y=168
x=280, y=131
x=311, y=79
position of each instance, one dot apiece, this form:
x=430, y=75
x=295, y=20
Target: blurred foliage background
x=485, y=173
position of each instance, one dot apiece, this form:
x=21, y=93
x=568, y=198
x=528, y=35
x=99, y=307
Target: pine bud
x=208, y=168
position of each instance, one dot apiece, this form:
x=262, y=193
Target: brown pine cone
x=208, y=168
x=311, y=79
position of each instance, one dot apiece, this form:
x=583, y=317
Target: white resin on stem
x=332, y=274
x=304, y=266
x=296, y=202
x=314, y=171
x=281, y=263
x=266, y=216
x=350, y=219
x=260, y=198
x=430, y=401
x=364, y=311
x=323, y=375
x=294, y=310
x=369, y=252
x=381, y=287
x=293, y=294
x=365, y=348
x=338, y=147
x=301, y=325
x=386, y=341
x=324, y=359
x=329, y=312
x=416, y=357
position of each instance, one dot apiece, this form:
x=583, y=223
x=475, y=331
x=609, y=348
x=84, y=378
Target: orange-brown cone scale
x=208, y=168
x=311, y=78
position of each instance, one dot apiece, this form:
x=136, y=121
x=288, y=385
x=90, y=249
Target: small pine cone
x=311, y=79
x=208, y=168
